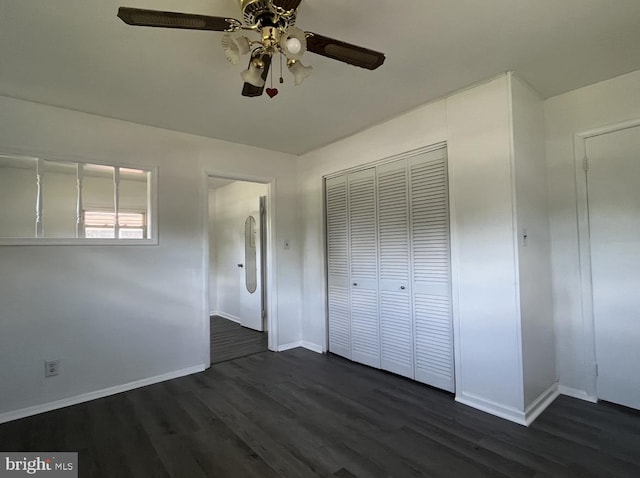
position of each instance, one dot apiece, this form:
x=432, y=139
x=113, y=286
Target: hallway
x=230, y=340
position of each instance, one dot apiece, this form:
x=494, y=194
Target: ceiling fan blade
x=345, y=52
x=287, y=5
x=251, y=91
x=156, y=18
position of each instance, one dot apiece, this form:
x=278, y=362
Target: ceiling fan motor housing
x=259, y=11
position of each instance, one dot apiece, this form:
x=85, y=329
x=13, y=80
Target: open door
x=263, y=259
x=237, y=250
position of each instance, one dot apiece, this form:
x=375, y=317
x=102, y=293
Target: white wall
x=534, y=252
x=489, y=368
x=115, y=315
x=603, y=104
x=234, y=203
x=476, y=124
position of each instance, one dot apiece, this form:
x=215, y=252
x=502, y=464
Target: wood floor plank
x=299, y=414
x=230, y=340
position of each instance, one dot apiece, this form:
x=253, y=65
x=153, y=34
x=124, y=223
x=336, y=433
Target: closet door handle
x=402, y=287
x=355, y=284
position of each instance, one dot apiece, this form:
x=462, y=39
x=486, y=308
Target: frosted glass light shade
x=293, y=43
x=300, y=72
x=253, y=75
x=294, y=46
x=234, y=47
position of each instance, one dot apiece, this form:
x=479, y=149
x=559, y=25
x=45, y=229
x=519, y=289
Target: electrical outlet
x=51, y=368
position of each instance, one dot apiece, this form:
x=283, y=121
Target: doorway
x=613, y=195
x=237, y=216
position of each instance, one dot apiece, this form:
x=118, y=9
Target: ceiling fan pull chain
x=281, y=78
x=272, y=91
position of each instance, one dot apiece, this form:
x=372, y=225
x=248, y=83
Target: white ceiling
x=77, y=54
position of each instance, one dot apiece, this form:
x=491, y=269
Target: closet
x=388, y=263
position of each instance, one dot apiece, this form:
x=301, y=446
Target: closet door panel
x=339, y=305
x=396, y=324
x=433, y=326
x=396, y=333
x=363, y=246
x=365, y=341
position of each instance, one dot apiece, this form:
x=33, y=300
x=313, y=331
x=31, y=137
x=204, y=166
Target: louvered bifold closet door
x=338, y=267
x=429, y=208
x=396, y=322
x=365, y=336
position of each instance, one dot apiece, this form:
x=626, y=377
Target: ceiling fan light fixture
x=234, y=47
x=274, y=22
x=299, y=71
x=294, y=46
x=293, y=43
x=253, y=75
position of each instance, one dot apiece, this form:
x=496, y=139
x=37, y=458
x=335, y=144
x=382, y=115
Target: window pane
x=131, y=219
x=134, y=193
x=137, y=233
x=133, y=189
x=59, y=199
x=97, y=190
x=106, y=219
x=99, y=232
x=18, y=193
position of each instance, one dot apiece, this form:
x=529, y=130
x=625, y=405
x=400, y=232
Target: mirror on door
x=251, y=278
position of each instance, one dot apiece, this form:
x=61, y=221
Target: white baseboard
x=301, y=343
x=539, y=405
x=313, y=347
x=230, y=317
x=289, y=346
x=520, y=417
x=494, y=408
x=87, y=397
x=575, y=393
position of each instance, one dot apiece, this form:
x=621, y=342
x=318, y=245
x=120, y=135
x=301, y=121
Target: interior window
x=61, y=200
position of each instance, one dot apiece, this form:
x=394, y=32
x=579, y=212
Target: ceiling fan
x=274, y=21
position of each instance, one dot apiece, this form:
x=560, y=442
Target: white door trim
x=584, y=249
x=272, y=286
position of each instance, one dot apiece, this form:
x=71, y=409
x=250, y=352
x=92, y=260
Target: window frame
x=151, y=215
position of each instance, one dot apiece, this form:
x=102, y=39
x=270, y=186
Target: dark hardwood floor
x=300, y=414
x=230, y=340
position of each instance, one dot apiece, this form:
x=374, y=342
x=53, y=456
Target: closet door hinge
x=585, y=163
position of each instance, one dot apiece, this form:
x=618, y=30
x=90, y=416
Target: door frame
x=270, y=283
x=584, y=249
